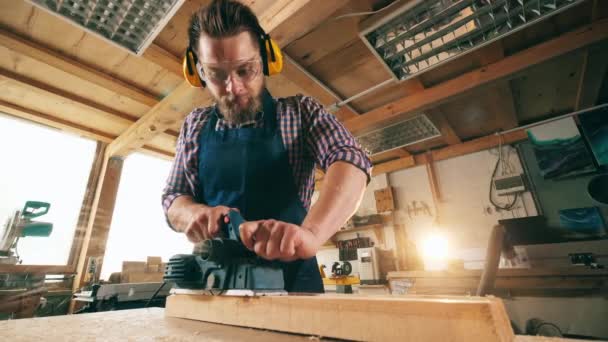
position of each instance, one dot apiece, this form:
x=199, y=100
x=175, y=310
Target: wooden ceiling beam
x=502, y=100
x=448, y=152
x=37, y=86
x=48, y=120
x=173, y=108
x=448, y=134
x=64, y=63
x=501, y=70
x=54, y=122
x=593, y=71
x=69, y=98
x=161, y=57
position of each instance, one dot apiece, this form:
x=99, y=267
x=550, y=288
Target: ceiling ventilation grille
x=408, y=132
x=132, y=24
x=424, y=34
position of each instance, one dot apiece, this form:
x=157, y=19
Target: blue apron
x=248, y=168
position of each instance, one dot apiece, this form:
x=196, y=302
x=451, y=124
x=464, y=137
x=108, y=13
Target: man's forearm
x=343, y=188
x=180, y=212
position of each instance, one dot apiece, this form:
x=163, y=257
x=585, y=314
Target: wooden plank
x=73, y=128
x=478, y=145
x=388, y=155
x=501, y=101
x=59, y=35
x=50, y=90
x=506, y=273
x=151, y=324
x=55, y=122
x=447, y=132
x=310, y=14
x=500, y=70
x=62, y=62
x=115, y=121
x=172, y=108
x=159, y=56
x=393, y=165
x=433, y=184
x=593, y=71
x=278, y=13
x=315, y=88
x=133, y=325
x=329, y=36
x=448, y=152
x=47, y=269
x=373, y=318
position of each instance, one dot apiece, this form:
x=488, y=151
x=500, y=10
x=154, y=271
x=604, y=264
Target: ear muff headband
x=190, y=72
x=272, y=61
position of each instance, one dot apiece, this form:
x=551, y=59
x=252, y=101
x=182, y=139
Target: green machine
x=21, y=224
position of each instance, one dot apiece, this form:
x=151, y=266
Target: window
x=43, y=164
x=138, y=226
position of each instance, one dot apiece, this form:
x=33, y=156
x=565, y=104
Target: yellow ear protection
x=190, y=70
x=272, y=60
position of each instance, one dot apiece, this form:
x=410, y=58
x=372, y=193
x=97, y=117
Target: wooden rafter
x=64, y=63
x=593, y=70
x=47, y=89
x=448, y=134
x=501, y=70
x=165, y=114
x=448, y=152
x=15, y=80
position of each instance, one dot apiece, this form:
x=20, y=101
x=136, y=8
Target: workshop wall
x=554, y=195
x=466, y=215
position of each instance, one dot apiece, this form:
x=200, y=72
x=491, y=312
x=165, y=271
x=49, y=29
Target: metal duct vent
x=408, y=132
x=132, y=24
x=424, y=34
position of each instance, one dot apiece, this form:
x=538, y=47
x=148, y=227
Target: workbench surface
x=145, y=325
x=131, y=325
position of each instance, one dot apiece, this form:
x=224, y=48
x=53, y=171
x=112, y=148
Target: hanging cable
x=496, y=205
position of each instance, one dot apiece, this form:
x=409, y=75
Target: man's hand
x=271, y=239
x=205, y=223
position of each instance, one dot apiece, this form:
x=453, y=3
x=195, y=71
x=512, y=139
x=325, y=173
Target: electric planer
x=225, y=267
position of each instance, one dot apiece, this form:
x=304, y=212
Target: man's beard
x=232, y=111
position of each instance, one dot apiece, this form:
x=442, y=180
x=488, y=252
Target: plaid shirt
x=311, y=135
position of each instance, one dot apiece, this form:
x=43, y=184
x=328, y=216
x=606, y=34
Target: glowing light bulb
x=435, y=252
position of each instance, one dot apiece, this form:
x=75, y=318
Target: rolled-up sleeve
x=183, y=177
x=329, y=141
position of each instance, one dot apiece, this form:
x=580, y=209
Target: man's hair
x=222, y=18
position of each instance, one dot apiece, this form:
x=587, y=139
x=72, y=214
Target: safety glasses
x=220, y=73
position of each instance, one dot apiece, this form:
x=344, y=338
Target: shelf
x=377, y=229
x=361, y=228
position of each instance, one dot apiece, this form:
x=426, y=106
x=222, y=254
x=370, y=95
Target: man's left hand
x=272, y=240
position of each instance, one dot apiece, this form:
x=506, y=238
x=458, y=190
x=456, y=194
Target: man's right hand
x=205, y=222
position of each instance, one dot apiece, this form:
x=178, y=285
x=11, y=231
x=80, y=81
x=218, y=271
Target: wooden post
x=100, y=219
x=87, y=205
x=495, y=244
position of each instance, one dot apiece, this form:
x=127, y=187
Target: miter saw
x=225, y=267
x=19, y=225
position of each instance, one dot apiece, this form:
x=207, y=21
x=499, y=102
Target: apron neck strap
x=269, y=107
